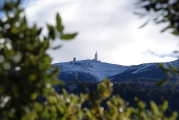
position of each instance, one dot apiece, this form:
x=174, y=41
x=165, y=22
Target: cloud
x=153, y=53
x=108, y=26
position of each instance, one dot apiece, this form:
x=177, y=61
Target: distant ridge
x=92, y=70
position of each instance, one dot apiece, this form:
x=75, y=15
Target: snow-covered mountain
x=148, y=71
x=93, y=70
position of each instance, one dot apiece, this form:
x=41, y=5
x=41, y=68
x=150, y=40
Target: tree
x=166, y=11
x=27, y=74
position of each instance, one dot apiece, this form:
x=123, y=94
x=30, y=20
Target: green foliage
x=167, y=11
x=26, y=70
x=162, y=82
x=171, y=72
x=26, y=73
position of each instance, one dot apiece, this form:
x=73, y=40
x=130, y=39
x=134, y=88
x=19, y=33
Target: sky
x=108, y=26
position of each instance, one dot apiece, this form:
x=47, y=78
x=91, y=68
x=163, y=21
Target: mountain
x=93, y=70
x=147, y=71
x=88, y=70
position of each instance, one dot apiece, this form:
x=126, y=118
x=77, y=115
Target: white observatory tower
x=96, y=56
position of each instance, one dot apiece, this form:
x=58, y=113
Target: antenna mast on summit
x=96, y=56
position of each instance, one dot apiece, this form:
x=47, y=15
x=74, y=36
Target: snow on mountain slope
x=99, y=70
x=143, y=68
x=149, y=66
x=147, y=71
x=92, y=70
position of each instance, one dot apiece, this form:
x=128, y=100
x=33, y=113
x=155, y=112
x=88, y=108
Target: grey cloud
x=153, y=53
x=109, y=26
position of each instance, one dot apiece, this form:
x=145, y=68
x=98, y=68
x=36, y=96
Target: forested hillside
x=129, y=90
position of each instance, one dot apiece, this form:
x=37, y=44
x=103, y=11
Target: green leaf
x=141, y=105
x=56, y=47
x=51, y=31
x=154, y=108
x=144, y=24
x=68, y=36
x=175, y=32
x=175, y=85
x=59, y=23
x=140, y=14
x=34, y=96
x=163, y=68
x=174, y=116
x=162, y=82
x=129, y=111
x=165, y=105
x=39, y=31
x=165, y=29
x=18, y=3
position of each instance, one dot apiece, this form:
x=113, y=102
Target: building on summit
x=96, y=56
x=74, y=59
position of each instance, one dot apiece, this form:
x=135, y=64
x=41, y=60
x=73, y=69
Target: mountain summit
x=88, y=70
x=93, y=70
